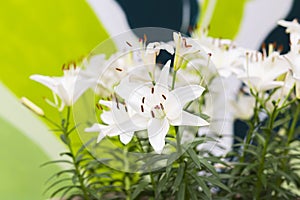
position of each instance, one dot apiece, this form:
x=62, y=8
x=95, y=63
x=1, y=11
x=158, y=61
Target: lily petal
x=187, y=119
x=95, y=128
x=298, y=89
x=45, y=80
x=164, y=75
x=157, y=131
x=126, y=137
x=187, y=93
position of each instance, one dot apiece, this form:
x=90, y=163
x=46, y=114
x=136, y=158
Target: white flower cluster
x=207, y=75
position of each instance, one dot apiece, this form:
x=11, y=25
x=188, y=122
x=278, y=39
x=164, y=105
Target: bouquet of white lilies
x=165, y=130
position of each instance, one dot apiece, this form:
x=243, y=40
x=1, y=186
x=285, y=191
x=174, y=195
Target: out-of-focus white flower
x=218, y=106
x=106, y=74
x=184, y=46
x=293, y=28
x=260, y=72
x=279, y=97
x=225, y=56
x=293, y=56
x=243, y=107
x=69, y=87
x=157, y=107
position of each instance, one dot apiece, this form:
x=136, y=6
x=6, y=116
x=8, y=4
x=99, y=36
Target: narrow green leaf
x=194, y=158
x=181, y=192
x=192, y=193
x=56, y=161
x=67, y=154
x=141, y=186
x=211, y=168
x=202, y=184
x=179, y=177
x=55, y=183
x=260, y=139
x=215, y=182
x=62, y=189
x=65, y=139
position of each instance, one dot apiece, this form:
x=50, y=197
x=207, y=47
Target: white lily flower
x=217, y=105
x=106, y=74
x=157, y=107
x=119, y=121
x=243, y=106
x=293, y=56
x=69, y=87
x=224, y=53
x=184, y=46
x=281, y=94
x=260, y=73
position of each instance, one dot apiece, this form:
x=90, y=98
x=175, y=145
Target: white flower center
x=158, y=111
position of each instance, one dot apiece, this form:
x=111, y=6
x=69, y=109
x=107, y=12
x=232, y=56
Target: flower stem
x=294, y=123
x=178, y=141
x=258, y=187
x=174, y=79
x=66, y=133
x=250, y=132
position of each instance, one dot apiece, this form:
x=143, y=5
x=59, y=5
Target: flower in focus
x=119, y=121
x=69, y=87
x=157, y=107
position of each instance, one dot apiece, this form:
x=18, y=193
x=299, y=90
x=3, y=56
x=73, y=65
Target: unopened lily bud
x=29, y=104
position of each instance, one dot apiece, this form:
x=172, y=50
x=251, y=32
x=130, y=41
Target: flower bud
x=29, y=104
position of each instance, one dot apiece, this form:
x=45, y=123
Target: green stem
x=178, y=141
x=261, y=168
x=65, y=130
x=173, y=80
x=293, y=125
x=250, y=132
x=52, y=122
x=150, y=173
x=289, y=139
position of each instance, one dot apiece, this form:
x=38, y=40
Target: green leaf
x=170, y=161
x=208, y=166
x=194, y=158
x=56, y=162
x=201, y=183
x=179, y=177
x=67, y=188
x=141, y=186
x=57, y=174
x=65, y=139
x=56, y=183
x=181, y=193
x=160, y=185
x=216, y=182
x=260, y=139
x=83, y=147
x=192, y=193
